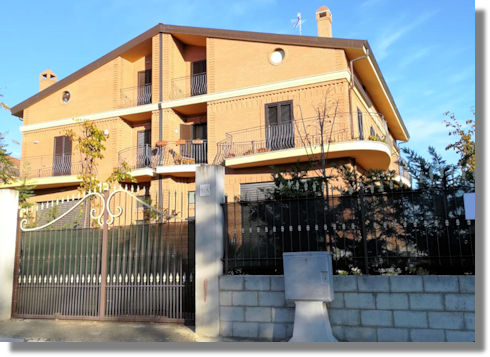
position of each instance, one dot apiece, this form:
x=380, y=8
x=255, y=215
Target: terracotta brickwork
x=231, y=64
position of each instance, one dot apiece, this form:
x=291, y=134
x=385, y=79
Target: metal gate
x=108, y=255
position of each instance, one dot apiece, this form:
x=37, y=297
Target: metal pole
x=363, y=231
x=16, y=268
x=103, y=282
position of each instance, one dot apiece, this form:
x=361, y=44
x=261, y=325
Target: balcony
x=189, y=86
x=180, y=158
x=142, y=160
x=134, y=96
x=306, y=140
x=176, y=158
x=50, y=171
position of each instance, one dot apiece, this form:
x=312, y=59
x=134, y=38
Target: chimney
x=46, y=78
x=324, y=21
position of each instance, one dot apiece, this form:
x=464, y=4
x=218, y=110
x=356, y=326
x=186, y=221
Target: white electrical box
x=308, y=276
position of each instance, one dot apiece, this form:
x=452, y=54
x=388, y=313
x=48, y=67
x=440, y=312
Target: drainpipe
x=160, y=114
x=351, y=87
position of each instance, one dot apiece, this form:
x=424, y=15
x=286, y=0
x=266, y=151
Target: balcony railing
x=138, y=157
x=134, y=96
x=47, y=166
x=189, y=86
x=308, y=132
x=183, y=152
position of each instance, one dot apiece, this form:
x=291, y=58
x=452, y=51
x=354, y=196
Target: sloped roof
x=353, y=48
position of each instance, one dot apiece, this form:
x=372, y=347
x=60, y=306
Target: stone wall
x=365, y=308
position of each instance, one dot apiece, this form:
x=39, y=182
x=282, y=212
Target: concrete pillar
x=210, y=181
x=9, y=200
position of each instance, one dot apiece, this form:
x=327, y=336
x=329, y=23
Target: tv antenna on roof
x=298, y=22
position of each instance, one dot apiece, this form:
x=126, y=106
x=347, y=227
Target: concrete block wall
x=365, y=308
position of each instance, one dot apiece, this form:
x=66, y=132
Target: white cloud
x=461, y=75
x=398, y=30
x=415, y=56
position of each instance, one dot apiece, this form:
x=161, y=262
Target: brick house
x=176, y=97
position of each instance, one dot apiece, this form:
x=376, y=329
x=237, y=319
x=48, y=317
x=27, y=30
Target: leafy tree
x=434, y=172
x=293, y=182
x=90, y=144
x=121, y=173
x=7, y=168
x=464, y=144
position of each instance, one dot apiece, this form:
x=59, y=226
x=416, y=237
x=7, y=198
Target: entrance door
x=279, y=126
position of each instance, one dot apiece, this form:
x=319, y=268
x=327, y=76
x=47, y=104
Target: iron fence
x=132, y=260
x=372, y=231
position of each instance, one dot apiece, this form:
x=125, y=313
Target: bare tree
x=320, y=135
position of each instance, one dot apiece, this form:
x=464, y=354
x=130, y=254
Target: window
x=200, y=131
x=198, y=79
x=279, y=126
x=371, y=131
x=62, y=156
x=66, y=96
x=360, y=123
x=144, y=154
x=277, y=56
x=144, y=87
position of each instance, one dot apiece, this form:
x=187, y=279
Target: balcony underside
x=142, y=174
x=177, y=170
x=369, y=154
x=46, y=182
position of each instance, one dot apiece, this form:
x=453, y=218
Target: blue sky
x=425, y=49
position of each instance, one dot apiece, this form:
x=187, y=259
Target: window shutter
x=185, y=132
x=66, y=146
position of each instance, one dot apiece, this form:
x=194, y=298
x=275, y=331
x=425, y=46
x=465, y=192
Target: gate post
x=9, y=200
x=210, y=181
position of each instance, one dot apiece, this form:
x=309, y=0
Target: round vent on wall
x=66, y=96
x=277, y=56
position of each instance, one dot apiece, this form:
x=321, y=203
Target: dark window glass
x=360, y=123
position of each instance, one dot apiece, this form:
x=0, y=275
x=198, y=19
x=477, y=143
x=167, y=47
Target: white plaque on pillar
x=204, y=190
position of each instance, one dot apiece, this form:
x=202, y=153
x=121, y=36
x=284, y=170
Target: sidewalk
x=94, y=331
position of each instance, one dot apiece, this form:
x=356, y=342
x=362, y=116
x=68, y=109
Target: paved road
x=88, y=331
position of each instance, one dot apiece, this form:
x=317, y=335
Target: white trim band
x=343, y=74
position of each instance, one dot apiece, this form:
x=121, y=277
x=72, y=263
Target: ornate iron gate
x=110, y=255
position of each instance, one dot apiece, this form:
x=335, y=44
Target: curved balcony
x=306, y=140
